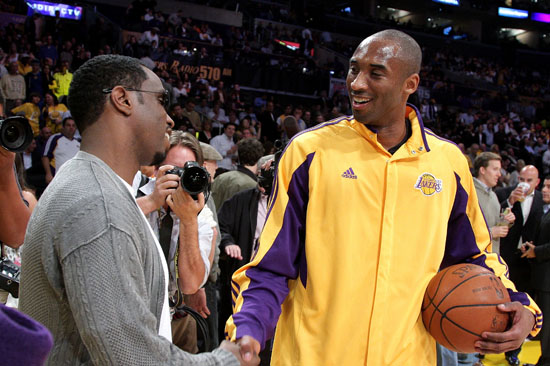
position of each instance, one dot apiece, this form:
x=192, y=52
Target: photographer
x=22, y=340
x=182, y=234
x=14, y=214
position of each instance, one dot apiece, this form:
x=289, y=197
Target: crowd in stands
x=479, y=103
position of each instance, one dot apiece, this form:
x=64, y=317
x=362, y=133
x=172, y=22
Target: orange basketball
x=460, y=303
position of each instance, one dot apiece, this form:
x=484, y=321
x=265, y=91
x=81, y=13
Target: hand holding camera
x=184, y=206
x=165, y=185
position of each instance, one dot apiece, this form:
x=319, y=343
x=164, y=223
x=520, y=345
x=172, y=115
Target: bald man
x=526, y=205
x=365, y=210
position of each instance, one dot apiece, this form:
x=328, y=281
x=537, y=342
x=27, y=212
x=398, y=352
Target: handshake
x=246, y=350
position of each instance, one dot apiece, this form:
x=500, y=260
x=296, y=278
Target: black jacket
x=540, y=278
x=520, y=271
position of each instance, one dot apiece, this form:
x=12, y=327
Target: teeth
x=360, y=100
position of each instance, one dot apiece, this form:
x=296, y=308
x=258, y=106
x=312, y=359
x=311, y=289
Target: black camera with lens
x=15, y=133
x=194, y=178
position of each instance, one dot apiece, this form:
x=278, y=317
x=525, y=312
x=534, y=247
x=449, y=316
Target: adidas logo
x=350, y=174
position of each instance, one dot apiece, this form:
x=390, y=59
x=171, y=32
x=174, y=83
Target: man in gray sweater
x=94, y=273
x=486, y=175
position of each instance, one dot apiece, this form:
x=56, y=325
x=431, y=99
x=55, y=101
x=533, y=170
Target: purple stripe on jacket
x=284, y=260
x=461, y=242
x=422, y=129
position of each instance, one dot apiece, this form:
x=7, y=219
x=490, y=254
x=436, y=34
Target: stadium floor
x=529, y=354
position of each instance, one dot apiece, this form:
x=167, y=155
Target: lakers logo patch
x=428, y=184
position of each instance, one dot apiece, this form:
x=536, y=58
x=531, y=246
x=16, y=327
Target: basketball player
x=364, y=211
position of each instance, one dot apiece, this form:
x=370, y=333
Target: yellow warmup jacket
x=352, y=238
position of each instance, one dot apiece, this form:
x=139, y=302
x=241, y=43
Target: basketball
x=460, y=304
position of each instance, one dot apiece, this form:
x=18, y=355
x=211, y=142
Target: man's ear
x=121, y=101
x=411, y=84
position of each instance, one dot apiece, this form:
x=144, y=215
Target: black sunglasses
x=165, y=95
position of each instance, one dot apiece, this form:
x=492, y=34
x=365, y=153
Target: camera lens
x=194, y=180
x=15, y=134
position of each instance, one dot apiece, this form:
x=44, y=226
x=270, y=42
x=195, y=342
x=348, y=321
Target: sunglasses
x=165, y=95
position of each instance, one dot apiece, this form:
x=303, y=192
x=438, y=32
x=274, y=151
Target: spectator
x=226, y=185
x=48, y=50
x=218, y=117
x=35, y=81
x=60, y=148
x=62, y=81
x=192, y=115
x=53, y=112
x=225, y=145
x=486, y=175
x=31, y=111
x=13, y=87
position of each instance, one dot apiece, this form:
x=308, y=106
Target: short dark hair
x=229, y=124
x=86, y=97
x=482, y=161
x=65, y=120
x=250, y=151
x=185, y=139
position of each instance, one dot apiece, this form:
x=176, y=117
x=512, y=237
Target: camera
x=194, y=179
x=265, y=179
x=9, y=277
x=15, y=133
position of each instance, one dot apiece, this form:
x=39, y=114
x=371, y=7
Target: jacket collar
x=415, y=146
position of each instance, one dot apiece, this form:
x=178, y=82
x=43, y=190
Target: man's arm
x=191, y=268
x=103, y=281
x=14, y=214
x=263, y=283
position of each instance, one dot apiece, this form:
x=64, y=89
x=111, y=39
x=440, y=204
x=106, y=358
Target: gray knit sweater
x=93, y=275
x=490, y=207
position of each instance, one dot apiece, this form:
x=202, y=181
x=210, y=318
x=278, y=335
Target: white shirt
x=222, y=143
x=260, y=218
x=165, y=327
x=63, y=150
x=206, y=224
x=27, y=160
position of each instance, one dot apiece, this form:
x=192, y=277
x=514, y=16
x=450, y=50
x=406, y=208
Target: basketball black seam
x=436, y=307
x=444, y=316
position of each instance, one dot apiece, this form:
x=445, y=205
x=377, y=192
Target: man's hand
x=197, y=302
x=165, y=184
x=523, y=322
x=510, y=217
x=528, y=250
x=237, y=351
x=499, y=231
x=249, y=348
x=516, y=195
x=234, y=251
x=184, y=206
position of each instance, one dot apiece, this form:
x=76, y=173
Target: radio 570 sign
x=203, y=71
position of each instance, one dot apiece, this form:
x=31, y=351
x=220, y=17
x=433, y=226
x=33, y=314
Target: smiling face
x=380, y=80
